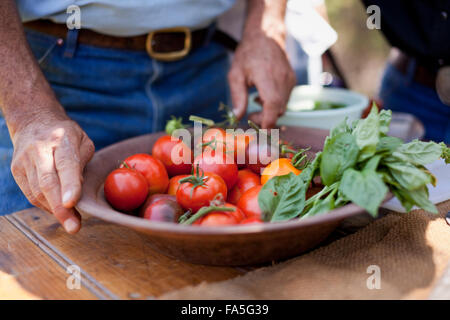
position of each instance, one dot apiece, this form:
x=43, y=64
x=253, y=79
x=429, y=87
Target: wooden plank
x=26, y=272
x=120, y=259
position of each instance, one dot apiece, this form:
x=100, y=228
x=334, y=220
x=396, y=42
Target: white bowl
x=354, y=103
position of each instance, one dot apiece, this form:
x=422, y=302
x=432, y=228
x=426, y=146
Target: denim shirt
x=127, y=17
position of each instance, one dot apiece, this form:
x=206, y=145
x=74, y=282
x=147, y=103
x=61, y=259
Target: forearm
x=25, y=94
x=267, y=17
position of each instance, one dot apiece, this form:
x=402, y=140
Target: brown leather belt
x=422, y=75
x=165, y=44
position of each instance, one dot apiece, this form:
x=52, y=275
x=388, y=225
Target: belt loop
x=411, y=71
x=210, y=33
x=71, y=43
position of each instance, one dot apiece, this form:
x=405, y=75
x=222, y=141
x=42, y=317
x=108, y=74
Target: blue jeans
x=117, y=94
x=400, y=93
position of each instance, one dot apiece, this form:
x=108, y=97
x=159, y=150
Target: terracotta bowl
x=228, y=245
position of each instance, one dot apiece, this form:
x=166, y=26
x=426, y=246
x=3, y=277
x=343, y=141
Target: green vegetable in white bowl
x=317, y=107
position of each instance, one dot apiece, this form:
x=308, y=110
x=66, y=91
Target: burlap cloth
x=411, y=250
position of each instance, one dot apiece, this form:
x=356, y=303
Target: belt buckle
x=169, y=56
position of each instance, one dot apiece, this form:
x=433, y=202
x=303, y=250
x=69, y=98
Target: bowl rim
x=89, y=205
x=355, y=107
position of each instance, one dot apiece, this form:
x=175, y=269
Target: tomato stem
x=212, y=144
x=196, y=179
x=204, y=211
x=184, y=216
x=207, y=122
x=285, y=149
x=174, y=124
x=125, y=165
x=230, y=118
x=300, y=159
x=254, y=126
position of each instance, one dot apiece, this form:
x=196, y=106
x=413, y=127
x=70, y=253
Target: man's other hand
x=261, y=61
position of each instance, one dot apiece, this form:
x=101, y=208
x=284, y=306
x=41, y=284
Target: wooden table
x=114, y=262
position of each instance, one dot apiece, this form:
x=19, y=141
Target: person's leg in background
x=117, y=94
x=400, y=93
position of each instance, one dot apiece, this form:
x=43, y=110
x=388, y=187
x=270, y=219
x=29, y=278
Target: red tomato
x=216, y=218
x=153, y=198
x=174, y=183
x=125, y=189
x=241, y=142
x=174, y=154
x=217, y=134
x=215, y=140
x=201, y=191
x=248, y=203
x=163, y=210
x=152, y=169
x=220, y=218
x=251, y=220
x=234, y=144
x=246, y=180
x=288, y=155
x=218, y=163
x=258, y=156
x=313, y=190
x=237, y=213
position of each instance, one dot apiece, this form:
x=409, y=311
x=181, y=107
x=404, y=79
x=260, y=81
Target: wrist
x=30, y=114
x=266, y=19
x=271, y=28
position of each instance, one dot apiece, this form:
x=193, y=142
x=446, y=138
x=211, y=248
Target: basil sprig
x=360, y=164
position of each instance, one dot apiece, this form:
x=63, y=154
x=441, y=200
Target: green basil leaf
x=372, y=163
x=408, y=176
x=403, y=197
x=282, y=198
x=445, y=152
x=420, y=197
x=385, y=121
x=364, y=188
x=339, y=153
x=311, y=169
x=321, y=206
x=339, y=128
x=387, y=178
x=387, y=145
x=367, y=134
x=417, y=197
x=418, y=152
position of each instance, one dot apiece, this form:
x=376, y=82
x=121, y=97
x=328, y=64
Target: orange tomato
x=278, y=167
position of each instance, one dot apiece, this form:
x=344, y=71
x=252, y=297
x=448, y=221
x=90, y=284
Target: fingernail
x=67, y=196
x=71, y=225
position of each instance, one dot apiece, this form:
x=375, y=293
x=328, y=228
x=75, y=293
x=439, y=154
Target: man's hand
x=261, y=61
x=49, y=157
x=50, y=150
